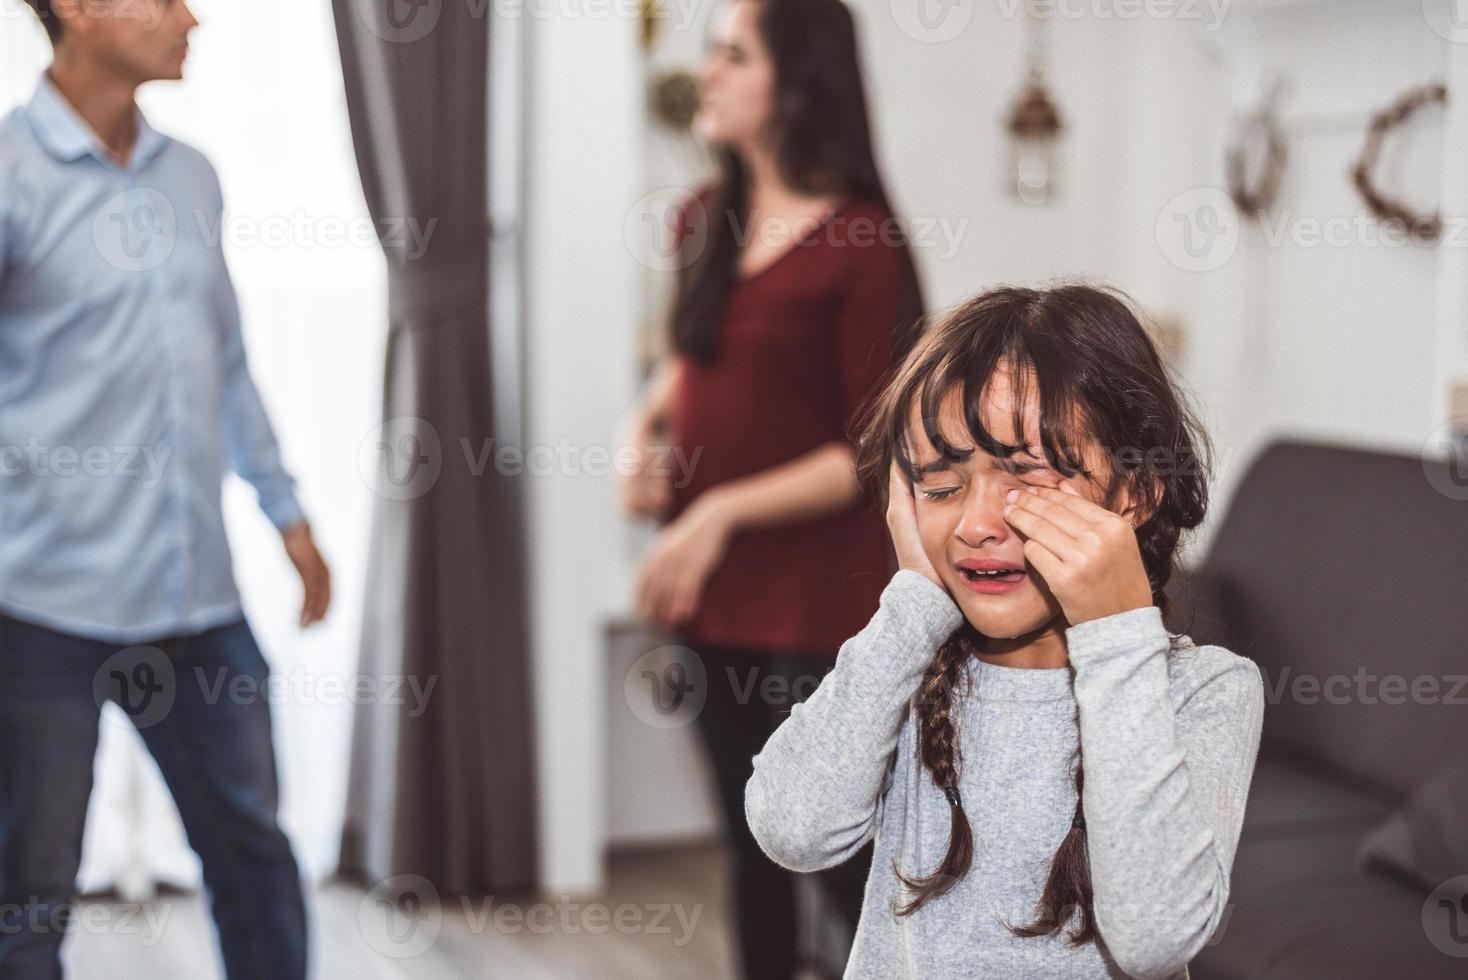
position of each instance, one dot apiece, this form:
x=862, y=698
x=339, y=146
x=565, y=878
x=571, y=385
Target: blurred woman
x=797, y=296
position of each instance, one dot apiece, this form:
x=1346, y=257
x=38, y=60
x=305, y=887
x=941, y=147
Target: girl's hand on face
x=1087, y=554
x=678, y=564
x=902, y=525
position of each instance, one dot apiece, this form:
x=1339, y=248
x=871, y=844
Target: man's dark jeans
x=200, y=704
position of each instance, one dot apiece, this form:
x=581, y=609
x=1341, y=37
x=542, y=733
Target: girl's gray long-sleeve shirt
x=1168, y=731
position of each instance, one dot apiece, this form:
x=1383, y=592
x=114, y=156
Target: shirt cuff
x=931, y=607
x=283, y=511
x=1098, y=639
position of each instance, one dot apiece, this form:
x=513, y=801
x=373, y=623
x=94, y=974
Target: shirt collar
x=67, y=136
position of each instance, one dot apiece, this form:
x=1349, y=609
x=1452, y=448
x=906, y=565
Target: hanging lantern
x=1034, y=136
x=1034, y=128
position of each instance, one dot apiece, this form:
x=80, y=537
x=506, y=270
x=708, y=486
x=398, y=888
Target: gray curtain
x=446, y=792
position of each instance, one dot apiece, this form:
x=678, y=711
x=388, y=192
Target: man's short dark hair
x=49, y=20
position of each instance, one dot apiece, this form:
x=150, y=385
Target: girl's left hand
x=1087, y=554
x=678, y=563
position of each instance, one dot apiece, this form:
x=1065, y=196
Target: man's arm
x=253, y=453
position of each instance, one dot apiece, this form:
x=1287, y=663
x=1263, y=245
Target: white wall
x=1350, y=328
x=582, y=301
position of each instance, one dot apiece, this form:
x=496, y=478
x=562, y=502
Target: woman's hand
x=648, y=490
x=902, y=525
x=679, y=562
x=1087, y=555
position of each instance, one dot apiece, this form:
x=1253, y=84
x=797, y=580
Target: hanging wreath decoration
x=1424, y=228
x=1263, y=125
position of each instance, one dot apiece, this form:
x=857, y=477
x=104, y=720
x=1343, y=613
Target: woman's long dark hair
x=818, y=123
x=1096, y=374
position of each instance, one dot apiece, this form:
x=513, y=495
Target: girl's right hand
x=902, y=525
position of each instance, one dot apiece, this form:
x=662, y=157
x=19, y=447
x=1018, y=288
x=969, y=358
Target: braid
x=941, y=756
x=1068, y=887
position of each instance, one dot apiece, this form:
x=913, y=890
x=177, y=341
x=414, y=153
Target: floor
x=663, y=916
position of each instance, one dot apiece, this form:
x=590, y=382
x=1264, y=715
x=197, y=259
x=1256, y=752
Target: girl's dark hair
x=49, y=20
x=818, y=124
x=1096, y=374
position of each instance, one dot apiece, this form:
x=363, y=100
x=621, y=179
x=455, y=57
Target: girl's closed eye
x=1028, y=474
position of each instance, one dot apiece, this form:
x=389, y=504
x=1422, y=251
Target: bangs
x=1037, y=375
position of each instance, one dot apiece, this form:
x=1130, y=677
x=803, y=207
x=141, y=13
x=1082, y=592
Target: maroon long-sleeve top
x=802, y=344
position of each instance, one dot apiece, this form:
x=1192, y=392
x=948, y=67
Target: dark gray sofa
x=1331, y=561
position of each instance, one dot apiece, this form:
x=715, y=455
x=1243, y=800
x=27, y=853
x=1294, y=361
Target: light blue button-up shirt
x=123, y=386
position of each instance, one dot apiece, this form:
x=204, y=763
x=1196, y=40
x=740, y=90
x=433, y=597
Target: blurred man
x=123, y=395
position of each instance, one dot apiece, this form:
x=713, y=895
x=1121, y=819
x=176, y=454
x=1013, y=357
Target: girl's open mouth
x=992, y=582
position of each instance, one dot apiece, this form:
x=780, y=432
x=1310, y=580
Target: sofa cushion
x=1291, y=796
x=1426, y=839
x=1298, y=910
